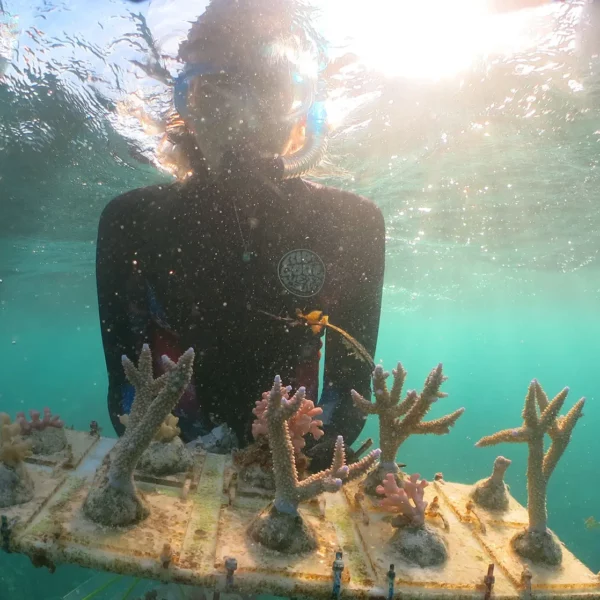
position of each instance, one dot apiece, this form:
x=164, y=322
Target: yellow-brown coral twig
x=13, y=450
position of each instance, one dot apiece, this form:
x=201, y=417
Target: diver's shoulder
x=140, y=205
x=346, y=203
x=139, y=198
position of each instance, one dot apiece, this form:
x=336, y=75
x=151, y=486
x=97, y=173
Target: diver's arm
x=358, y=314
x=123, y=321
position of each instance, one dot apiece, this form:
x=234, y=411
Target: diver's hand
x=221, y=440
x=321, y=454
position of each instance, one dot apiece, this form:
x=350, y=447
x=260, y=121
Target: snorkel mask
x=203, y=93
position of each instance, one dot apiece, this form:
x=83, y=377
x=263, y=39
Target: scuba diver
x=222, y=260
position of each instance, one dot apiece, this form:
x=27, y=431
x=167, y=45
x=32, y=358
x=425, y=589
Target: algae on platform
x=204, y=522
x=342, y=521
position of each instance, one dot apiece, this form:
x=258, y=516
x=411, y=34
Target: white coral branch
x=148, y=411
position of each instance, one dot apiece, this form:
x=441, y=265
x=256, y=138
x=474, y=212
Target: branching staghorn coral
x=299, y=424
x=414, y=540
x=281, y=528
x=166, y=454
x=290, y=491
x=255, y=463
x=16, y=486
x=394, y=431
x=113, y=499
x=537, y=542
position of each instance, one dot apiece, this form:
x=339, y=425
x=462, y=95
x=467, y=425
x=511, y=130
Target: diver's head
x=249, y=82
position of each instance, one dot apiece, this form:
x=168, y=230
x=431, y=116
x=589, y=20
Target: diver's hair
x=247, y=25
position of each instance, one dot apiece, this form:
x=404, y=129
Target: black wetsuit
x=171, y=272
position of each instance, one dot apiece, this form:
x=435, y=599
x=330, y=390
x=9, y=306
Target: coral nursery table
x=196, y=534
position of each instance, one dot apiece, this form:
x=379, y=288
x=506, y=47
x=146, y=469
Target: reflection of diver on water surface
x=589, y=30
x=503, y=6
x=195, y=263
x=9, y=35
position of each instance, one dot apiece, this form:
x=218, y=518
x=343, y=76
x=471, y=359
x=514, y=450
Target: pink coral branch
x=399, y=499
x=301, y=423
x=37, y=423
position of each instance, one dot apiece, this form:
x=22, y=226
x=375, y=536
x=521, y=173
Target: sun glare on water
x=425, y=39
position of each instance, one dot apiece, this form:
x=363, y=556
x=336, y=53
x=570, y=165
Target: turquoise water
x=492, y=254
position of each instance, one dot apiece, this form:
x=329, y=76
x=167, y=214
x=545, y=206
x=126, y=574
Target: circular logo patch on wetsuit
x=302, y=273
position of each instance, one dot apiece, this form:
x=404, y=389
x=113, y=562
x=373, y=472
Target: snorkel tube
x=315, y=145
